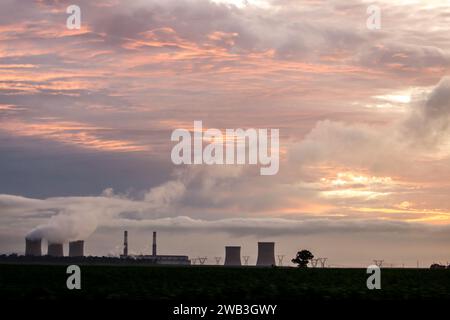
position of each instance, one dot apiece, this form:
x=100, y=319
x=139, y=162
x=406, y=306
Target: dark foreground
x=190, y=284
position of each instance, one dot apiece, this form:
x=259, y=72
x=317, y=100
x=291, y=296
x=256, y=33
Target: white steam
x=78, y=217
x=68, y=225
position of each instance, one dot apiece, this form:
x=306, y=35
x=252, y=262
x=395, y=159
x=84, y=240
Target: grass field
x=218, y=283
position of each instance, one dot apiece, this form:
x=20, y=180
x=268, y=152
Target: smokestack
x=55, y=250
x=232, y=256
x=154, y=244
x=33, y=247
x=266, y=254
x=76, y=248
x=125, y=243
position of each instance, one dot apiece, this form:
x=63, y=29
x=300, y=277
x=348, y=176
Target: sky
x=86, y=117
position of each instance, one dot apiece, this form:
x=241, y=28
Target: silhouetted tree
x=437, y=266
x=302, y=258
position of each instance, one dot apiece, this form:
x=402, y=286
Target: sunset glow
x=86, y=117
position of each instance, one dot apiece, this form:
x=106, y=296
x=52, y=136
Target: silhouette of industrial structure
x=154, y=257
x=76, y=248
x=33, y=247
x=232, y=256
x=55, y=250
x=265, y=257
x=266, y=254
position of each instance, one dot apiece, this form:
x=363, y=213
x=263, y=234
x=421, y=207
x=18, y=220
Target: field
x=48, y=282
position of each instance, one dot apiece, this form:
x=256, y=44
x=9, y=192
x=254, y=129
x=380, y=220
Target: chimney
x=154, y=244
x=125, y=243
x=33, y=247
x=76, y=248
x=55, y=250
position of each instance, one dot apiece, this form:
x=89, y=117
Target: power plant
x=154, y=257
x=232, y=256
x=33, y=247
x=76, y=248
x=55, y=250
x=266, y=254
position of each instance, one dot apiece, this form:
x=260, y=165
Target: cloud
x=76, y=105
x=73, y=218
x=77, y=218
x=265, y=227
x=422, y=129
x=429, y=121
x=205, y=195
x=73, y=133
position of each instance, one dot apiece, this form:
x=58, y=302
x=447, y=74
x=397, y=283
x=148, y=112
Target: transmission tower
x=280, y=259
x=217, y=260
x=322, y=261
x=246, y=260
x=194, y=261
x=202, y=260
x=314, y=262
x=378, y=263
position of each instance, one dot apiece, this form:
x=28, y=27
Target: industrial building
x=125, y=243
x=232, y=256
x=76, y=248
x=266, y=254
x=154, y=244
x=55, y=250
x=154, y=257
x=33, y=247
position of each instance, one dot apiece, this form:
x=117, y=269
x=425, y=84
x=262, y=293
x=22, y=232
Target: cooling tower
x=55, y=250
x=33, y=247
x=232, y=256
x=76, y=248
x=266, y=254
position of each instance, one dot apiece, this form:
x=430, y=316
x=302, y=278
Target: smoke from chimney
x=65, y=226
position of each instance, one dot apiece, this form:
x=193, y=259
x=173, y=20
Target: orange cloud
x=73, y=133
